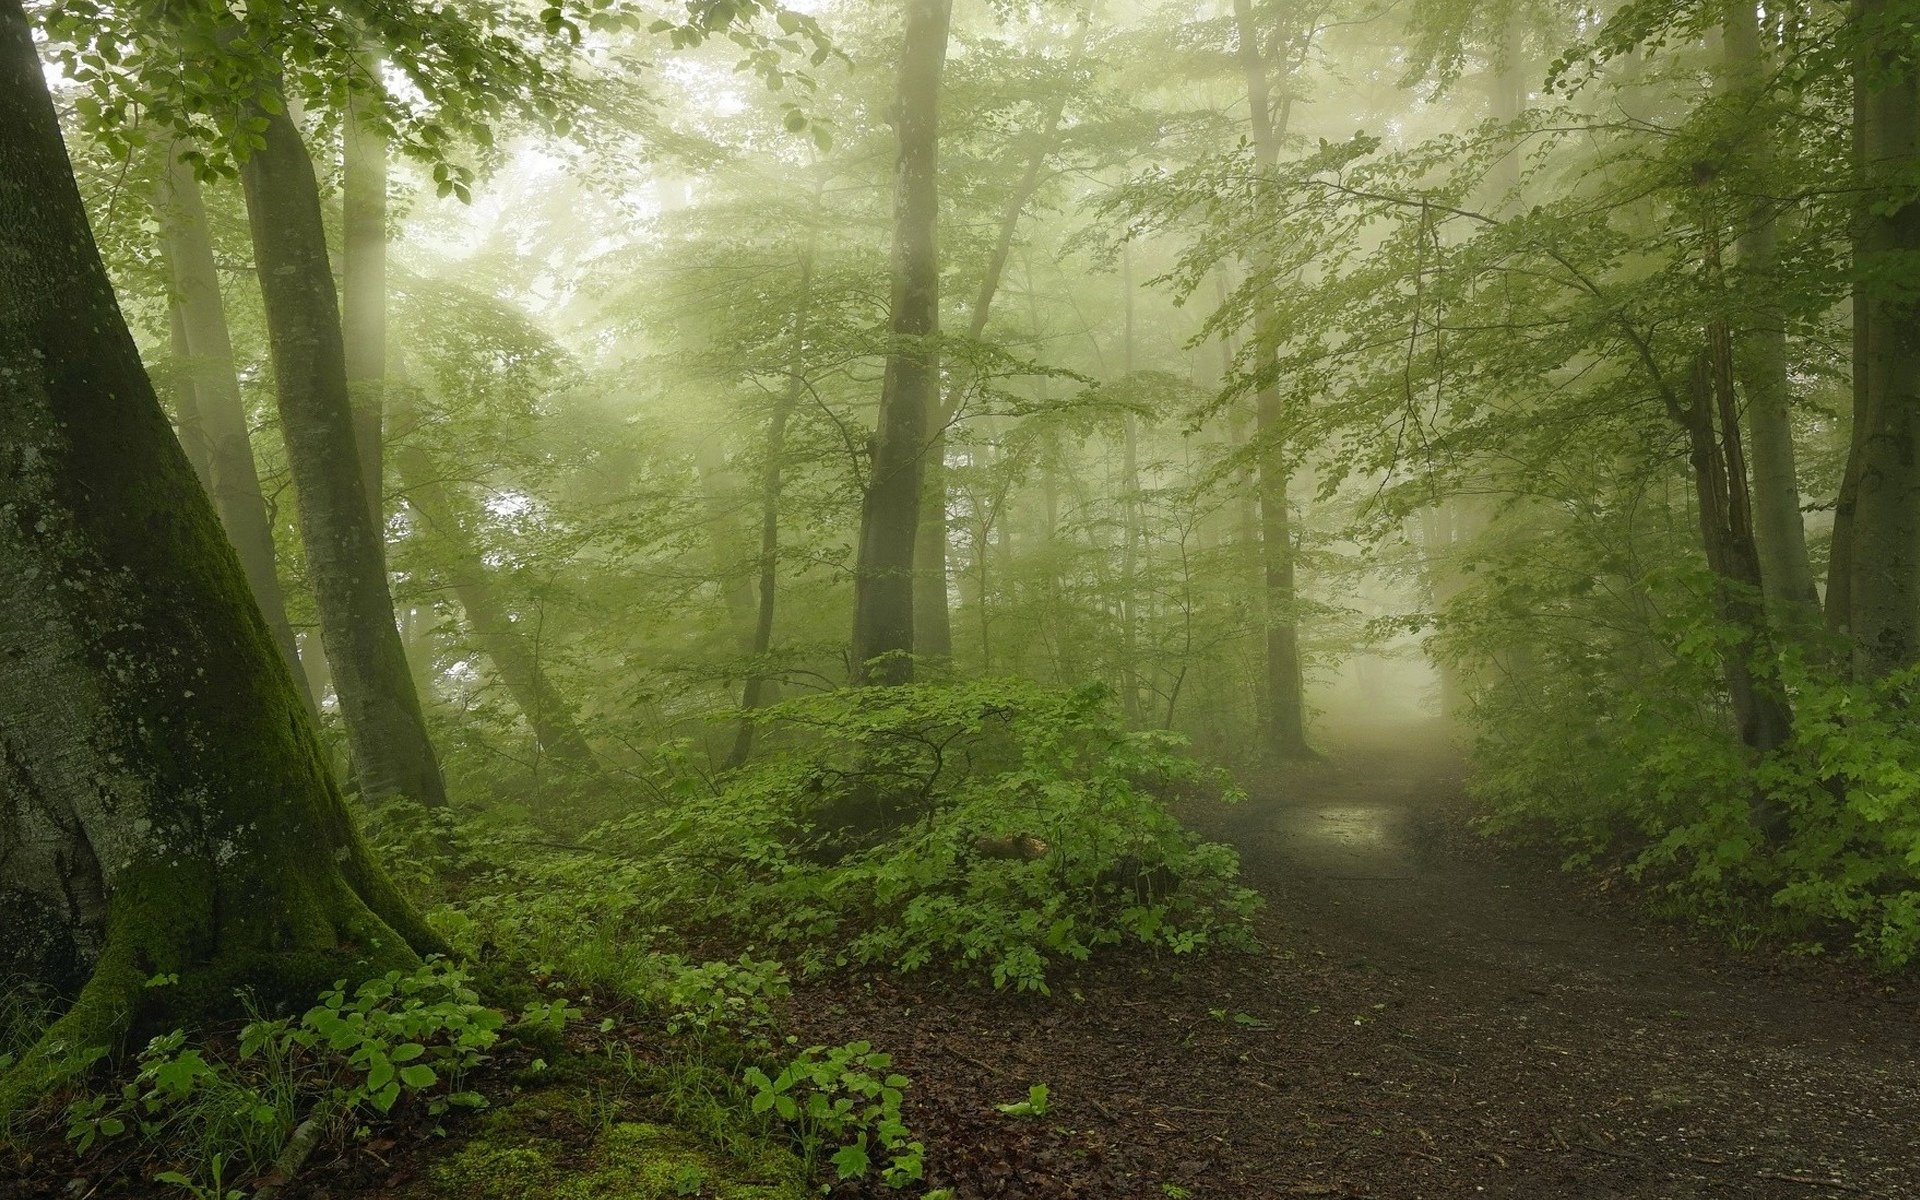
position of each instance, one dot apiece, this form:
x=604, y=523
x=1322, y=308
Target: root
x=98, y=1021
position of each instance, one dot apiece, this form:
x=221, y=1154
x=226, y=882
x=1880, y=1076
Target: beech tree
x=164, y=807
x=890, y=513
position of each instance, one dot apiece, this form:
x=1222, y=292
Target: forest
x=1091, y=599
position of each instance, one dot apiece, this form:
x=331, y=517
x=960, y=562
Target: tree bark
x=1284, y=699
x=363, y=300
x=495, y=633
x=1885, y=559
x=163, y=803
x=1761, y=353
x=233, y=481
x=882, y=643
x=385, y=729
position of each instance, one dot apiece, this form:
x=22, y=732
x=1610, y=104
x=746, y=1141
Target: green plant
x=1035, y=1105
x=991, y=825
x=405, y=1033
x=844, y=1097
x=215, y=1190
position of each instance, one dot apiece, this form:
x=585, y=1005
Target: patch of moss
x=517, y=1156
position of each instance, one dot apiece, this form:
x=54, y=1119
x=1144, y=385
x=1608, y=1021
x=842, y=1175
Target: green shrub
x=995, y=825
x=1653, y=773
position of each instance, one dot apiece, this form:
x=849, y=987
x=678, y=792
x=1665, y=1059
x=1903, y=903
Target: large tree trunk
x=1284, y=701
x=363, y=299
x=385, y=730
x=514, y=655
x=1885, y=549
x=890, y=514
x=220, y=414
x=163, y=804
x=1762, y=356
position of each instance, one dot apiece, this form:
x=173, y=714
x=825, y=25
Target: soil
x=1431, y=1018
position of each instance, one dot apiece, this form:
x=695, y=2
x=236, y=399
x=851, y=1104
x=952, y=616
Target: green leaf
x=418, y=1076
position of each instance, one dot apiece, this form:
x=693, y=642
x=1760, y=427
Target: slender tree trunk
x=1846, y=500
x=504, y=641
x=233, y=481
x=163, y=803
x=363, y=300
x=1285, y=698
x=1885, y=618
x=1130, y=702
x=385, y=729
x=721, y=495
x=757, y=690
x=1761, y=353
x=932, y=619
x=890, y=514
x=188, y=426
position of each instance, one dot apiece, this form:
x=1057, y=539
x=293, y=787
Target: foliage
x=994, y=825
x=1654, y=777
x=847, y=1098
x=404, y=1035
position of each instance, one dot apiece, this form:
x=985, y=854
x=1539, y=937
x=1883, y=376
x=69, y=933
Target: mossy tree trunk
x=345, y=557
x=882, y=643
x=163, y=803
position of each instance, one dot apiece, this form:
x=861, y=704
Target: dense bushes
x=996, y=826
x=1640, y=764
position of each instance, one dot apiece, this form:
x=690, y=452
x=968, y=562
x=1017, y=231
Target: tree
x=219, y=419
x=1884, y=473
x=890, y=512
x=164, y=805
x=1285, y=716
x=392, y=755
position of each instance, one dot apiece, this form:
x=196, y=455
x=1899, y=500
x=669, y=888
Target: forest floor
x=1432, y=1017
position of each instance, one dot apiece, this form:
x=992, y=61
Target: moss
x=523, y=1151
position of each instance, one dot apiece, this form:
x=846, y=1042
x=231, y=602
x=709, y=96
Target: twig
x=1809, y=1180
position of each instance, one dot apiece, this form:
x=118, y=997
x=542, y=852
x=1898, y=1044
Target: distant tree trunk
x=758, y=688
x=1762, y=357
x=385, y=729
x=890, y=514
x=495, y=633
x=163, y=803
x=363, y=299
x=1885, y=549
x=1285, y=717
x=932, y=620
x=721, y=495
x=1711, y=419
x=233, y=481
x=191, y=431
x=1130, y=702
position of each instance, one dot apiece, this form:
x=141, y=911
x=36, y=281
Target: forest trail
x=1431, y=1019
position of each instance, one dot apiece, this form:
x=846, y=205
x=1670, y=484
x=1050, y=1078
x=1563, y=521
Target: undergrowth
x=1651, y=777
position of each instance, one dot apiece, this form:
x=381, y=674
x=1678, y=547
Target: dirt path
x=1431, y=1020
